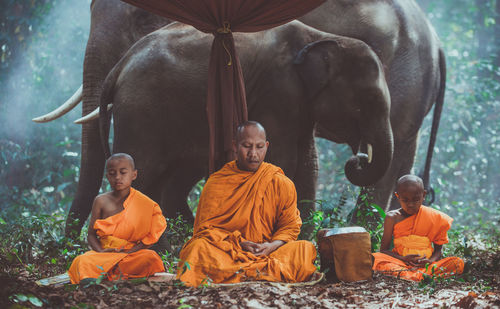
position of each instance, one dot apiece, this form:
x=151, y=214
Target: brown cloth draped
x=226, y=100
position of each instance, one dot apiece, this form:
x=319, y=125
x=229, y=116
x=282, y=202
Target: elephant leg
x=176, y=187
x=306, y=175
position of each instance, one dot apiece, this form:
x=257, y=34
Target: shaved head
x=241, y=128
x=409, y=180
x=250, y=146
x=121, y=156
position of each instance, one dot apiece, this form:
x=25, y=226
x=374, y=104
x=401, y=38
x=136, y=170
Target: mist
x=465, y=170
x=46, y=68
x=46, y=72
x=41, y=56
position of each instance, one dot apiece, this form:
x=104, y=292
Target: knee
x=306, y=246
x=150, y=255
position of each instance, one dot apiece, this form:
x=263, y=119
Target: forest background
x=42, y=44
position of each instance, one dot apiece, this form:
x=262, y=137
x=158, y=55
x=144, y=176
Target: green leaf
x=379, y=210
x=35, y=301
x=21, y=297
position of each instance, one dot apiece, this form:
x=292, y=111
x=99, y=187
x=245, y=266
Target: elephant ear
x=314, y=65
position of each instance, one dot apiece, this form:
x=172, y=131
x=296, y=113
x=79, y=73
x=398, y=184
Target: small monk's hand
x=109, y=250
x=422, y=262
x=411, y=259
x=250, y=246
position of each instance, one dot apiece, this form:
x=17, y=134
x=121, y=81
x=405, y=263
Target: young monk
x=123, y=224
x=419, y=233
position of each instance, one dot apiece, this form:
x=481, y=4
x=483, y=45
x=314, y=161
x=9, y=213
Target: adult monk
x=247, y=222
x=123, y=224
x=419, y=233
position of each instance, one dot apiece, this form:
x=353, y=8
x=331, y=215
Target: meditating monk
x=419, y=233
x=123, y=224
x=247, y=222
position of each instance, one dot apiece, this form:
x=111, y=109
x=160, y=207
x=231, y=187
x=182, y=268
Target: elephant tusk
x=91, y=116
x=370, y=152
x=63, y=109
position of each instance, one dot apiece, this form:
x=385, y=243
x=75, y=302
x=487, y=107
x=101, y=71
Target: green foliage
x=465, y=172
x=182, y=304
x=40, y=67
x=26, y=299
x=39, y=240
x=194, y=196
x=330, y=215
x=326, y=215
x=370, y=216
x=178, y=232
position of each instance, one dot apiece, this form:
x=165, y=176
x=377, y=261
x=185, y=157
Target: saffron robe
x=141, y=220
x=415, y=235
x=237, y=206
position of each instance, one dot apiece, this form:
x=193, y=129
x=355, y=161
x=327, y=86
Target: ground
x=474, y=289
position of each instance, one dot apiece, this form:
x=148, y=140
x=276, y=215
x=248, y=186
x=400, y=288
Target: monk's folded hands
x=267, y=248
x=412, y=259
x=250, y=246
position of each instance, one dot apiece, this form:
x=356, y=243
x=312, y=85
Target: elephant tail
x=104, y=116
x=438, y=108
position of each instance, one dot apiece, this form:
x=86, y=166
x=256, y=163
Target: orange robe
x=141, y=220
x=415, y=235
x=236, y=206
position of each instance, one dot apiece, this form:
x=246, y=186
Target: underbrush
x=33, y=243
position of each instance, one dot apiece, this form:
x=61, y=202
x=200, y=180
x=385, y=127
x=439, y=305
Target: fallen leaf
x=126, y=291
x=144, y=288
x=473, y=294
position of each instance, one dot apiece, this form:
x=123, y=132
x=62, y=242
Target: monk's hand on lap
x=412, y=259
x=267, y=248
x=109, y=250
x=423, y=262
x=250, y=246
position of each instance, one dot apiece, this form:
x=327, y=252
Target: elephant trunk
x=366, y=169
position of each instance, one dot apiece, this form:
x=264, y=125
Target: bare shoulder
x=392, y=215
x=102, y=200
x=395, y=215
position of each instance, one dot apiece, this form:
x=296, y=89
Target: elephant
x=415, y=67
x=296, y=77
x=396, y=30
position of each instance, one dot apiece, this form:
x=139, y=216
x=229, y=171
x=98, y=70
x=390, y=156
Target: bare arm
x=92, y=239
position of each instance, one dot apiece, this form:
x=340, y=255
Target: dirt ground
x=382, y=292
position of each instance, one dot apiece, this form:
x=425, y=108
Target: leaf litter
x=382, y=292
x=477, y=288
